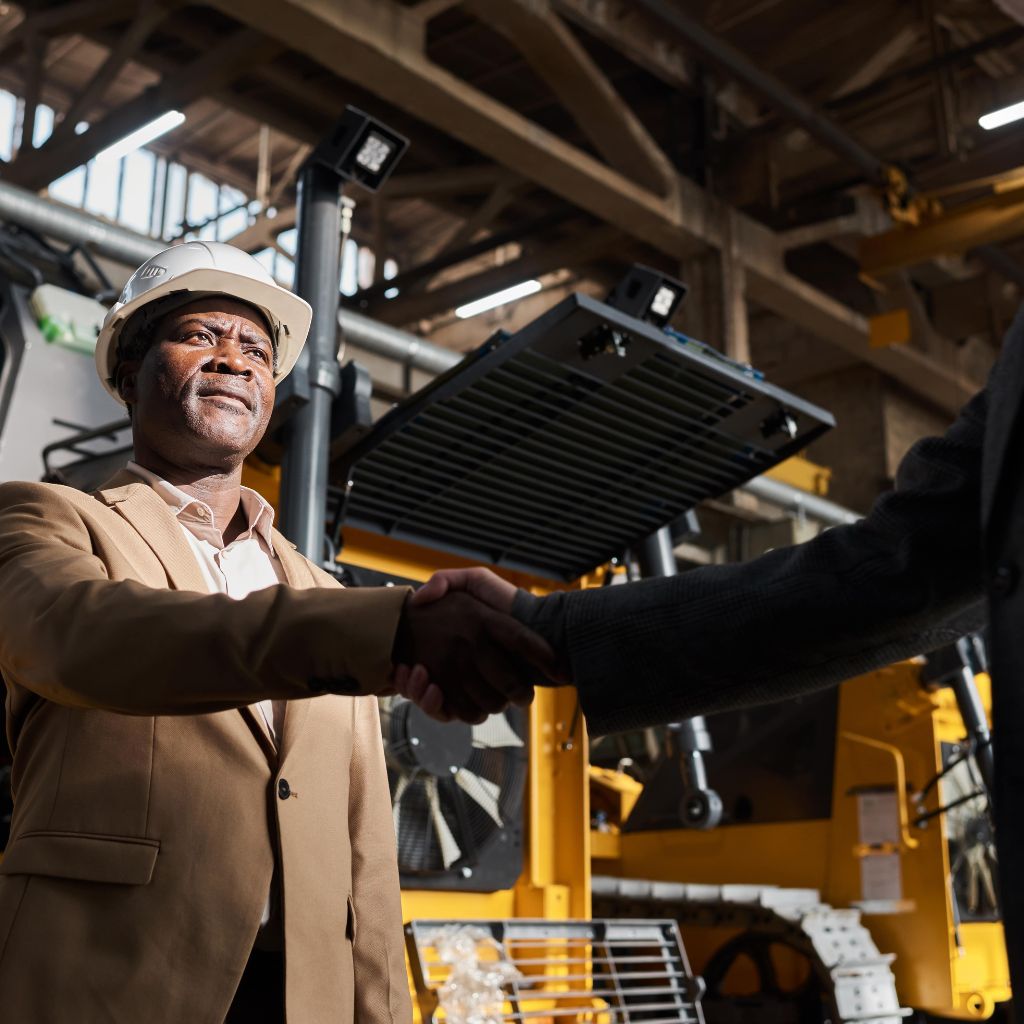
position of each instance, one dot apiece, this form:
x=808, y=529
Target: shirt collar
x=194, y=513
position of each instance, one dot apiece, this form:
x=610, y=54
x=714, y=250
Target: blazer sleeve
x=71, y=635
x=378, y=950
x=904, y=580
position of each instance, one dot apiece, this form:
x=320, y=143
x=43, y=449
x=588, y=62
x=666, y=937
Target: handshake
x=459, y=653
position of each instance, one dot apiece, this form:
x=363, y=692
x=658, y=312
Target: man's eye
x=260, y=353
x=204, y=336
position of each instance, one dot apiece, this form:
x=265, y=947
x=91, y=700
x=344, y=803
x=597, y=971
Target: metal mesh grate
x=605, y=972
x=532, y=457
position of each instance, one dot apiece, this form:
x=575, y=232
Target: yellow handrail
x=906, y=838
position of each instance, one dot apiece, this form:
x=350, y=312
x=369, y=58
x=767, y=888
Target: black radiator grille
x=537, y=463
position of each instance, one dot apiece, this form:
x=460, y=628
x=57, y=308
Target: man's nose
x=228, y=357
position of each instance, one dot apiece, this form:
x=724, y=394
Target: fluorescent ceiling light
x=998, y=118
x=517, y=291
x=141, y=136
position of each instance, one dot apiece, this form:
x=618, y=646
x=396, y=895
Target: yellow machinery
x=922, y=878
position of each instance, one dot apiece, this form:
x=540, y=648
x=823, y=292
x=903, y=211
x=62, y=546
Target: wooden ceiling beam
x=63, y=19
x=636, y=35
x=483, y=216
x=558, y=58
x=148, y=17
x=214, y=68
x=366, y=40
x=263, y=231
x=573, y=252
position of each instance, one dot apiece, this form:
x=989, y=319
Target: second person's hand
x=458, y=657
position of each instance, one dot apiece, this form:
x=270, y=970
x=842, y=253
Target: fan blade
x=483, y=791
x=495, y=732
x=450, y=851
x=396, y=801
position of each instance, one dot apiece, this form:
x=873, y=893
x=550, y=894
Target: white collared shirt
x=247, y=564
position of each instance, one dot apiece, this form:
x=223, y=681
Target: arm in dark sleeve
x=902, y=581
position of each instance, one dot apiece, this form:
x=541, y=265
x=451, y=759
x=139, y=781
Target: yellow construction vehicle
x=867, y=799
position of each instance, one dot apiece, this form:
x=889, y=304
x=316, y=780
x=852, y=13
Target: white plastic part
x=67, y=318
x=473, y=992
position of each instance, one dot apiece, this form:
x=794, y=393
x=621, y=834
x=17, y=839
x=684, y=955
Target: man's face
x=204, y=391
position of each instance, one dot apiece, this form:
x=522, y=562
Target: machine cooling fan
x=457, y=797
x=972, y=850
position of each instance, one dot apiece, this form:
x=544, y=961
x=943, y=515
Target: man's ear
x=125, y=379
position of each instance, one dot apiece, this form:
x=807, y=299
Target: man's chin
x=225, y=443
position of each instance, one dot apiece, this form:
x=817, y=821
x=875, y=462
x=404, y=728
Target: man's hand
x=459, y=656
x=480, y=583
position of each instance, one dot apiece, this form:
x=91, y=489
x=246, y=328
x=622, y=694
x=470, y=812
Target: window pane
x=175, y=200
x=71, y=188
x=287, y=240
x=349, y=259
x=137, y=192
x=234, y=213
x=43, y=126
x=284, y=271
x=202, y=204
x=232, y=223
x=101, y=196
x=8, y=114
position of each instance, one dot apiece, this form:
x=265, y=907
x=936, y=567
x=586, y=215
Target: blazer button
x=1004, y=579
x=283, y=789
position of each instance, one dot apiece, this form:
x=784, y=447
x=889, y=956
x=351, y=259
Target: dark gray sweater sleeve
x=904, y=580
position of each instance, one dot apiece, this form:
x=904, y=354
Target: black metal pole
x=701, y=807
x=307, y=433
x=972, y=711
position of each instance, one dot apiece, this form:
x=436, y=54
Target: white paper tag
x=878, y=817
x=880, y=877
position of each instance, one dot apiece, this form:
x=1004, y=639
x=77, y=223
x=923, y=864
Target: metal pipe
x=308, y=430
x=717, y=51
x=655, y=555
x=393, y=343
x=74, y=226
x=701, y=806
x=972, y=711
x=792, y=498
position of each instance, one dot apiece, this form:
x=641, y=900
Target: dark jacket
x=937, y=556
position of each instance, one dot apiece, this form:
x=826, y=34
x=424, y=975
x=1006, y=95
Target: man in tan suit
x=195, y=840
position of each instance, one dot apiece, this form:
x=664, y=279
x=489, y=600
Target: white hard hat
x=206, y=268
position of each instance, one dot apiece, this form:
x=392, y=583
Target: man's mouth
x=228, y=393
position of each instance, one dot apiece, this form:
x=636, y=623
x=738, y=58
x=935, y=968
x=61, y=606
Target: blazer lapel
x=154, y=522
x=297, y=574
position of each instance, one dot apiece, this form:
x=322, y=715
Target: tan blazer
x=148, y=797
